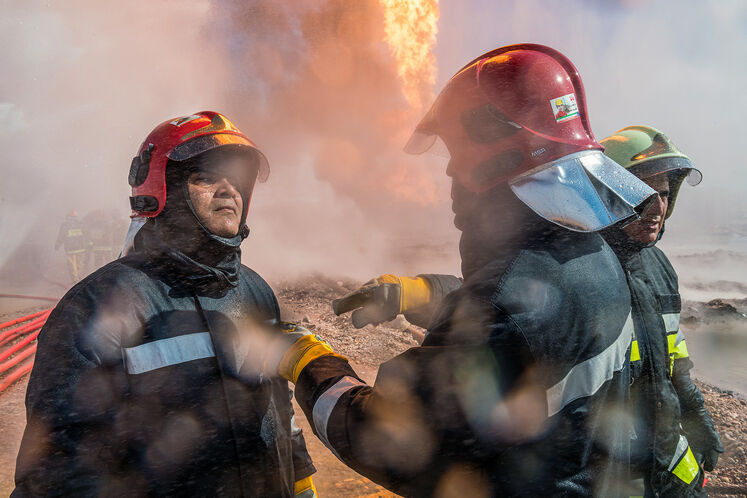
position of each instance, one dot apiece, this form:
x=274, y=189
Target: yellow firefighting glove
x=305, y=488
x=295, y=349
x=383, y=298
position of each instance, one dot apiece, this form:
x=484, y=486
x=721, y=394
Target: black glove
x=709, y=458
x=377, y=301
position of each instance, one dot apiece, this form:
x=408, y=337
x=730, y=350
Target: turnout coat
x=139, y=389
x=519, y=389
x=672, y=424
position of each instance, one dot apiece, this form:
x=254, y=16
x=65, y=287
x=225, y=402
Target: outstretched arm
x=381, y=299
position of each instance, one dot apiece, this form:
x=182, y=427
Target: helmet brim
x=583, y=192
x=647, y=169
x=204, y=143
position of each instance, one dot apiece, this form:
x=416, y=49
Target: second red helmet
x=517, y=115
x=506, y=112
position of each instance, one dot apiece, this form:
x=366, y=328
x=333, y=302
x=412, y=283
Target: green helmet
x=646, y=152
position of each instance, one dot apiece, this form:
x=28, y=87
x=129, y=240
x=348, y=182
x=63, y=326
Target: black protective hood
x=183, y=245
x=496, y=225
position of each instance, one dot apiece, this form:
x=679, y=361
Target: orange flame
x=411, y=27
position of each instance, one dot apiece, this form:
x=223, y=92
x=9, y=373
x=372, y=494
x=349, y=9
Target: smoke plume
x=330, y=90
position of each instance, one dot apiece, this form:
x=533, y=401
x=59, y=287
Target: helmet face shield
x=583, y=192
x=694, y=177
x=668, y=164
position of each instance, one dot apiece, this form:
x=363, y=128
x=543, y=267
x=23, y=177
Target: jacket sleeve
x=302, y=465
x=77, y=384
x=696, y=421
x=429, y=408
x=441, y=286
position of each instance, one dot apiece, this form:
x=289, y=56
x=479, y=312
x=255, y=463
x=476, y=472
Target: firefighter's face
x=215, y=195
x=647, y=229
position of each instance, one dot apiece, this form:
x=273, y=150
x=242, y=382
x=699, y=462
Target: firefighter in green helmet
x=675, y=436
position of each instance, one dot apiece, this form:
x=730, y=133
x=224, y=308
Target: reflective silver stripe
x=671, y=321
x=165, y=352
x=678, y=453
x=680, y=338
x=327, y=402
x=587, y=377
x=295, y=429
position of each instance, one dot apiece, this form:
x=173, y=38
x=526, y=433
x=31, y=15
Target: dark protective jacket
x=669, y=409
x=663, y=393
x=138, y=388
x=519, y=389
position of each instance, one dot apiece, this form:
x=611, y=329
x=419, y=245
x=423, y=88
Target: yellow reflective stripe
x=635, y=353
x=676, y=345
x=681, y=351
x=671, y=342
x=688, y=468
x=677, y=348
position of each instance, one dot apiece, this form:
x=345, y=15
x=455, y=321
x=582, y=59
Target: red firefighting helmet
x=517, y=114
x=180, y=139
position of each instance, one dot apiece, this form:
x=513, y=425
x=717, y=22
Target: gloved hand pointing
x=383, y=298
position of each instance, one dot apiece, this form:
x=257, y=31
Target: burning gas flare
x=411, y=27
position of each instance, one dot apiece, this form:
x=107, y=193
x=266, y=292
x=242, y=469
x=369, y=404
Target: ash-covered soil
x=308, y=300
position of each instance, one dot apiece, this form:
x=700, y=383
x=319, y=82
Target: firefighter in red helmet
x=520, y=387
x=138, y=388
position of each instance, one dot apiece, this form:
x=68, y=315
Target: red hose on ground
x=17, y=358
x=8, y=339
x=5, y=354
x=16, y=374
x=22, y=296
x=23, y=318
x=35, y=323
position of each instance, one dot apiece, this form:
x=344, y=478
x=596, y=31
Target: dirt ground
x=308, y=301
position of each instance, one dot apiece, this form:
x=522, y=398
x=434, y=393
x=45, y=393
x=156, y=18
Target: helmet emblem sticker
x=564, y=108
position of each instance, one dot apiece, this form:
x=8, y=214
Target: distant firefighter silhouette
x=99, y=239
x=71, y=237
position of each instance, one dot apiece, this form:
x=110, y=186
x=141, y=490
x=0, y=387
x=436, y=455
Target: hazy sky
x=84, y=82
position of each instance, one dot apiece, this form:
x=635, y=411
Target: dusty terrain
x=308, y=301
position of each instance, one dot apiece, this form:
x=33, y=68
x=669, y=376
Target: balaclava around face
x=178, y=233
x=494, y=224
